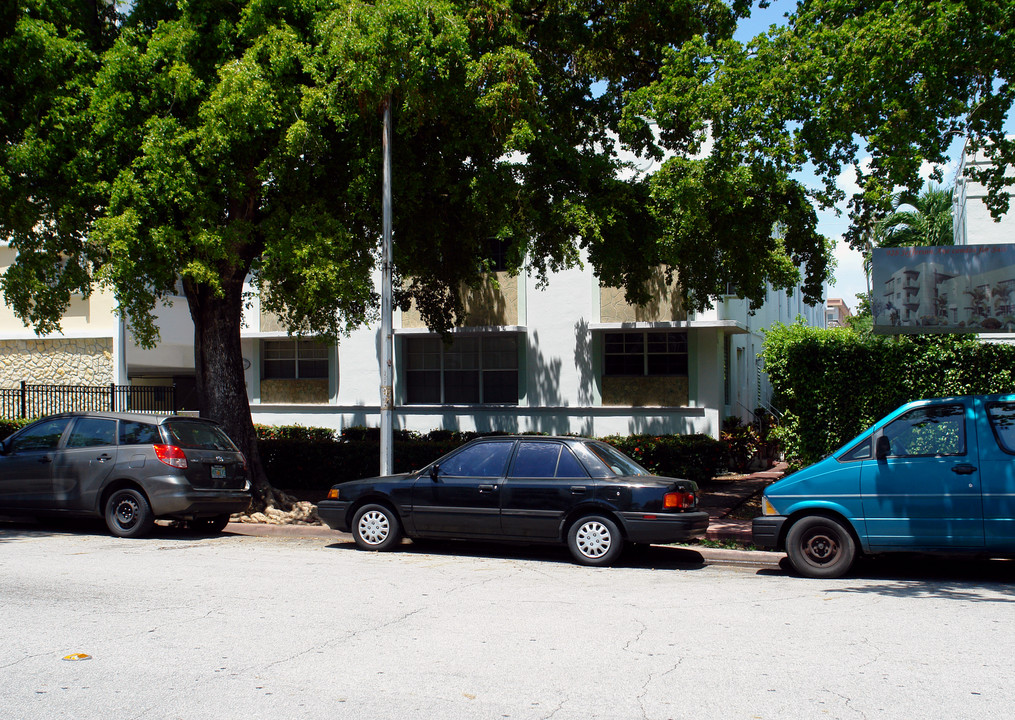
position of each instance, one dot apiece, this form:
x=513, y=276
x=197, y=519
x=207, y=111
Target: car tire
x=128, y=514
x=820, y=547
x=376, y=527
x=595, y=540
x=212, y=525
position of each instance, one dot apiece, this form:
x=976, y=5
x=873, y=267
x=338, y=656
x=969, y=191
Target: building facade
x=568, y=357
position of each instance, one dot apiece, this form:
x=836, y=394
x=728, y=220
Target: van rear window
x=1002, y=420
x=199, y=435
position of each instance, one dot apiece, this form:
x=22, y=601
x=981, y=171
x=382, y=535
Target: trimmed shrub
x=312, y=462
x=833, y=384
x=693, y=457
x=8, y=427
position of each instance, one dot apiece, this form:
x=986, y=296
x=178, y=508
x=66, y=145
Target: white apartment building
x=570, y=357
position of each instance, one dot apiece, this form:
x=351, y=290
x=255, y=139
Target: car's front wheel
x=128, y=514
x=376, y=527
x=820, y=547
x=595, y=540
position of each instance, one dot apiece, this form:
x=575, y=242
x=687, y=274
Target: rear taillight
x=171, y=456
x=679, y=500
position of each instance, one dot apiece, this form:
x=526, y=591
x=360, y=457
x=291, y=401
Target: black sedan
x=583, y=493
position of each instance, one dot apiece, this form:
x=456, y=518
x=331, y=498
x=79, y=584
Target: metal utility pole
x=387, y=397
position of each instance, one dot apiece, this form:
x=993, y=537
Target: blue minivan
x=932, y=476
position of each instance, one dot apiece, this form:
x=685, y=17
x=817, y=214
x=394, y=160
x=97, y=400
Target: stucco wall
x=66, y=361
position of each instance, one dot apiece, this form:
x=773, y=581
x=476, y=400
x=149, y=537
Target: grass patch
x=723, y=544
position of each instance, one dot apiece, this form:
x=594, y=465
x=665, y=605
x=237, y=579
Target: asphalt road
x=189, y=626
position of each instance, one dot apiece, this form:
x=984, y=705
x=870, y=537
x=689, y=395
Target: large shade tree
x=872, y=87
x=213, y=142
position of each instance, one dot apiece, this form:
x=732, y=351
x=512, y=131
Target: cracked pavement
x=284, y=627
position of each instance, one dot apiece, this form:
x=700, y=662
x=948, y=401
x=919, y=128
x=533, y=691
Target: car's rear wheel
x=213, y=524
x=128, y=514
x=595, y=540
x=376, y=527
x=820, y=547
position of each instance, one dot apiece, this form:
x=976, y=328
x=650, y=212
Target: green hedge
x=7, y=427
x=311, y=458
x=694, y=457
x=304, y=459
x=832, y=384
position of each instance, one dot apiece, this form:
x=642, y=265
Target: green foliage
x=312, y=458
x=833, y=384
x=692, y=457
x=741, y=442
x=929, y=223
x=842, y=80
x=8, y=426
x=294, y=432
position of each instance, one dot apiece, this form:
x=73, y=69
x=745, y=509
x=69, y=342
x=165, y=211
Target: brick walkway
x=719, y=497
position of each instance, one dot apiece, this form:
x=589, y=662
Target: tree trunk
x=221, y=387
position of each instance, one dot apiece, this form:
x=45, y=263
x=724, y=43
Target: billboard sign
x=949, y=289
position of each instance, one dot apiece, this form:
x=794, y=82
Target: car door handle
x=487, y=488
x=45, y=459
x=104, y=457
x=964, y=469
x=577, y=489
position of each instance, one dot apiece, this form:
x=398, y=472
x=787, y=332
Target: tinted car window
x=929, y=431
x=568, y=465
x=42, y=436
x=486, y=459
x=536, y=459
x=91, y=432
x=860, y=451
x=139, y=433
x=199, y=435
x=1002, y=420
x=616, y=461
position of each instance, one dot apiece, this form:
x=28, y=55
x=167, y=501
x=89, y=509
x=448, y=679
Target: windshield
x=615, y=460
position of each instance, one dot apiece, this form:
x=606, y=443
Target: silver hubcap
x=373, y=527
x=594, y=539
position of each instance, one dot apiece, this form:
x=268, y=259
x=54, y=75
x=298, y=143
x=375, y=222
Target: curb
x=722, y=556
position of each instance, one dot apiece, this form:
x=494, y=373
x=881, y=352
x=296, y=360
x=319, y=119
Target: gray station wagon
x=130, y=469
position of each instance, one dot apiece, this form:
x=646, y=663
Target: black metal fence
x=31, y=401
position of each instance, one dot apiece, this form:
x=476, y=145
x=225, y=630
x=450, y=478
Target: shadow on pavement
x=13, y=528
x=911, y=575
x=653, y=557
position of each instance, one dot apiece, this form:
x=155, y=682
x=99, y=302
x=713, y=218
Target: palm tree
x=929, y=223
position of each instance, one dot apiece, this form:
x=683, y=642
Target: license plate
x=218, y=471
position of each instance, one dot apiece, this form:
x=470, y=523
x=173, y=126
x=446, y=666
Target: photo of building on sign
x=956, y=288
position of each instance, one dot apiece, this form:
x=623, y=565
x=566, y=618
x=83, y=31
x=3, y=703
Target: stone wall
x=64, y=361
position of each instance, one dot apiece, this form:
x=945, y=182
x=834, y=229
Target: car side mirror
x=435, y=473
x=883, y=448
